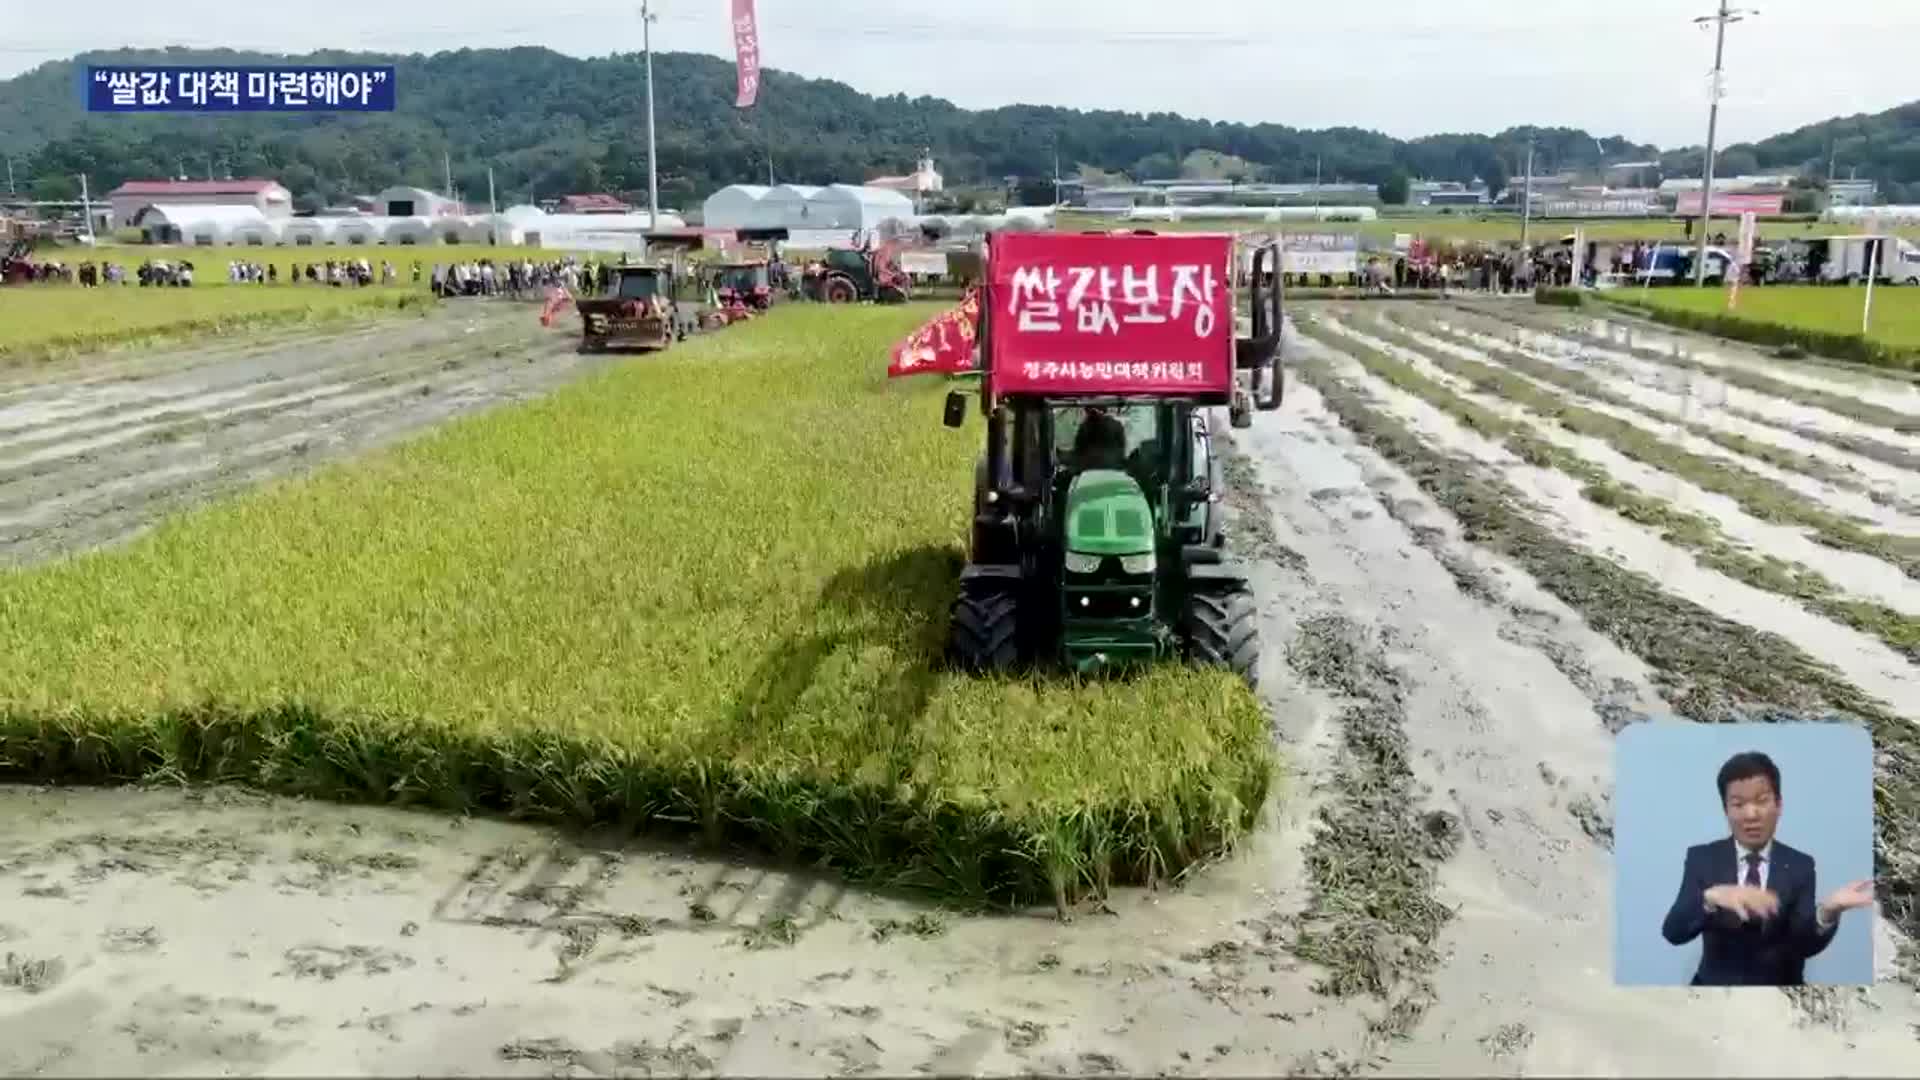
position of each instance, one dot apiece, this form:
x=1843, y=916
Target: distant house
x=591, y=204
x=129, y=199
x=401, y=201
x=923, y=180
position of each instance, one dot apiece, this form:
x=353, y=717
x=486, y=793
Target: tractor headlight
x=1078, y=563
x=1137, y=564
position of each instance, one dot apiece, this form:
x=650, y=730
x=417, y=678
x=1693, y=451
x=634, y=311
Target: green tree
x=1395, y=189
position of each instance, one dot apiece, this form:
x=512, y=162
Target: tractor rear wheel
x=983, y=636
x=839, y=290
x=1222, y=629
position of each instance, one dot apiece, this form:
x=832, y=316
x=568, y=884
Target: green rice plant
x=703, y=590
x=39, y=322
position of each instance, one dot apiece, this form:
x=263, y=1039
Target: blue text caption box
x=347, y=88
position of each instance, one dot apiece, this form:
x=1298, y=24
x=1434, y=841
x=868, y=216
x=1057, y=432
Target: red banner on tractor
x=1104, y=314
x=944, y=346
x=746, y=53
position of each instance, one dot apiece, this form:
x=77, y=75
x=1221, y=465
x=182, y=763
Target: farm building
x=268, y=198
x=308, y=232
x=591, y=204
x=409, y=230
x=404, y=201
x=201, y=224
x=736, y=206
x=844, y=206
x=922, y=181
x=360, y=230
x=785, y=207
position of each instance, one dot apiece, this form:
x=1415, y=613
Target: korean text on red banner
x=746, y=52
x=1111, y=314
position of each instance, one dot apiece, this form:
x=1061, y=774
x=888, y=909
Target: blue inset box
x=1743, y=855
x=349, y=88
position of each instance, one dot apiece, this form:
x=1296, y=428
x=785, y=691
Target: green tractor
x=1097, y=540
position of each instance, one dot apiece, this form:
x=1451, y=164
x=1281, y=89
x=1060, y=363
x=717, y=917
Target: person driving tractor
x=1101, y=442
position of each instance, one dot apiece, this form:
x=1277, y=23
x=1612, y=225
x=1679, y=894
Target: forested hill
x=550, y=124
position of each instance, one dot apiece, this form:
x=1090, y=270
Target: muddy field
x=1431, y=896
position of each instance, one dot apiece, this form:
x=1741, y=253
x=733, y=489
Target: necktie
x=1753, y=869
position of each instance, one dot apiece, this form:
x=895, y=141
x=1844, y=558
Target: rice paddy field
x=41, y=321
x=447, y=562
x=646, y=598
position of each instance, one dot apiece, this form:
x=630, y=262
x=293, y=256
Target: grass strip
x=1795, y=308
x=1696, y=533
x=704, y=590
x=1580, y=382
x=1710, y=668
x=1733, y=374
x=1758, y=495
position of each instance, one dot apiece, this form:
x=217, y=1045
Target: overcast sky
x=1407, y=67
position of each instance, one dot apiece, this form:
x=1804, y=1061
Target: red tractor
x=850, y=275
x=742, y=289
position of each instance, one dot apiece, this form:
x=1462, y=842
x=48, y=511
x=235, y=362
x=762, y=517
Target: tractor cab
x=743, y=284
x=851, y=275
x=638, y=310
x=1097, y=540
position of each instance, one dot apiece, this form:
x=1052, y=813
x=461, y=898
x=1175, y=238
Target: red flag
x=557, y=298
x=944, y=346
x=746, y=52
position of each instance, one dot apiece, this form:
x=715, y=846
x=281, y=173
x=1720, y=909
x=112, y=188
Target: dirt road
x=94, y=450
x=1433, y=895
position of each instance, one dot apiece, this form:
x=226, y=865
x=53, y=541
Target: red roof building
x=267, y=196
x=591, y=204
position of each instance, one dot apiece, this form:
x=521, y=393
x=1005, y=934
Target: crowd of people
x=518, y=277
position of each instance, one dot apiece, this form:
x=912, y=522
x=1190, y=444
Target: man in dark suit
x=1750, y=898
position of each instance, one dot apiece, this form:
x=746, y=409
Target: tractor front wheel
x=1222, y=629
x=983, y=636
x=839, y=291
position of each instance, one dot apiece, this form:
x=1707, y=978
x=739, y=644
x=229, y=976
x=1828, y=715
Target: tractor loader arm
x=1259, y=353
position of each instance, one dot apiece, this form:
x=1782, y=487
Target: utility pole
x=647, y=19
x=1316, y=187
x=446, y=163
x=1526, y=199
x=1720, y=19
x=11, y=190
x=86, y=208
x=492, y=206
x=1056, y=170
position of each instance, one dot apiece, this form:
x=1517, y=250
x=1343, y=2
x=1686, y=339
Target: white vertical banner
x=1579, y=272
x=1749, y=228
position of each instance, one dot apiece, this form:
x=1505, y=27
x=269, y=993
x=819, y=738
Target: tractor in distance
x=1097, y=540
x=742, y=288
x=851, y=275
x=637, y=310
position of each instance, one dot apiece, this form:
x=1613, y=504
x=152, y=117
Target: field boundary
x=1855, y=349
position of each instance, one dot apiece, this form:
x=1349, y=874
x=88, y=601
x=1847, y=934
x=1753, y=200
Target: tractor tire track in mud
x=88, y=458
